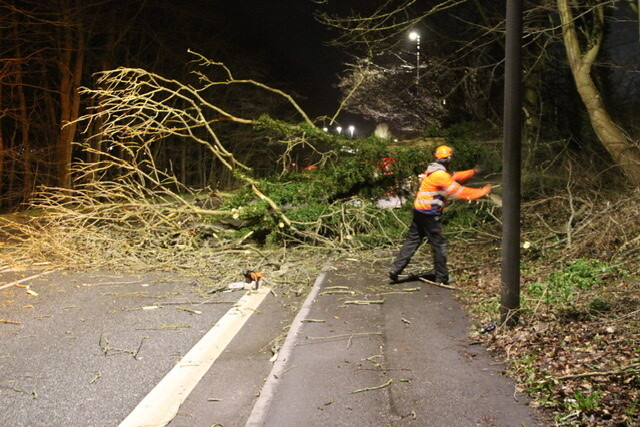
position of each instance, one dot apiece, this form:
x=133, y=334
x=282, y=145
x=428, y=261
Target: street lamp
x=415, y=36
x=339, y=129
x=351, y=130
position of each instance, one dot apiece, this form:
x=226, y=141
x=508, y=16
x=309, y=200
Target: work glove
x=486, y=189
x=477, y=170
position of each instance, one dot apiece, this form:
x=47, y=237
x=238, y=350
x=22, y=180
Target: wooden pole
x=511, y=158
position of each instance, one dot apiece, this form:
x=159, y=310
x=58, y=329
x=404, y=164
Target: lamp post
x=351, y=130
x=415, y=36
x=339, y=129
x=511, y=161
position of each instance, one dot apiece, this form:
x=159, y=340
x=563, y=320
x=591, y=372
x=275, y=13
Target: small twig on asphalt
x=188, y=310
x=376, y=364
x=344, y=335
x=387, y=384
x=289, y=368
x=164, y=327
x=104, y=347
x=196, y=303
x=337, y=292
x=328, y=403
x=135, y=355
x=175, y=326
x=96, y=377
x=135, y=282
x=107, y=349
x=365, y=302
x=442, y=285
x=412, y=414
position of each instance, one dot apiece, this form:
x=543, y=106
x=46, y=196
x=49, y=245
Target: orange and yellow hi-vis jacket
x=438, y=185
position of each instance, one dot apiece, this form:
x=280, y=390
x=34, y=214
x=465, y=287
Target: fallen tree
x=127, y=210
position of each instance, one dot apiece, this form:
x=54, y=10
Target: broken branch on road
x=387, y=384
x=365, y=302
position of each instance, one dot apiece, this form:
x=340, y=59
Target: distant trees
x=390, y=94
x=464, y=47
x=49, y=49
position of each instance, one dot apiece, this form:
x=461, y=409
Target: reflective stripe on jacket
x=438, y=185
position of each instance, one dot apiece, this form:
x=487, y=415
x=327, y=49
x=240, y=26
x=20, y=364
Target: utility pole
x=511, y=164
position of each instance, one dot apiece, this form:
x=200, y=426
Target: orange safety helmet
x=443, y=151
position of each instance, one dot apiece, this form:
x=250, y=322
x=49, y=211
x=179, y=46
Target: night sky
x=294, y=46
x=285, y=37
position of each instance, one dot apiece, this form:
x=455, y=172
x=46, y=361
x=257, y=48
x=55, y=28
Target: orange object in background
x=385, y=164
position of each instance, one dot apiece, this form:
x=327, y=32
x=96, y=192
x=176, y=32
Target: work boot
x=393, y=276
x=448, y=281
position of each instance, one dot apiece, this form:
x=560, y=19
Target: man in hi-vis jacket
x=437, y=185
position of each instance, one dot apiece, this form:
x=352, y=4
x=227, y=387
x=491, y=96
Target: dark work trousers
x=429, y=226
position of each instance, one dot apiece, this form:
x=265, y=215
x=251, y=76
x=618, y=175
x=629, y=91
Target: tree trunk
x=23, y=116
x=2, y=152
x=71, y=61
x=621, y=149
x=25, y=145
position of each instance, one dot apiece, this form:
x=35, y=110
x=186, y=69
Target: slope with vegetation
x=576, y=349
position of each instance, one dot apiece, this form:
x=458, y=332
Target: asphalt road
x=85, y=349
x=374, y=354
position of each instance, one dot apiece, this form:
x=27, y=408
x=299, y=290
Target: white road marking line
x=267, y=394
x=161, y=405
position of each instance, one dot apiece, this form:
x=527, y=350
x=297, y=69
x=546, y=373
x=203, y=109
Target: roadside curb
x=268, y=391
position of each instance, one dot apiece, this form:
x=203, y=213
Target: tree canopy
x=462, y=46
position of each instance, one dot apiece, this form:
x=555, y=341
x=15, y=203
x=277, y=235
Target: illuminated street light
x=415, y=36
x=351, y=130
x=325, y=129
x=338, y=129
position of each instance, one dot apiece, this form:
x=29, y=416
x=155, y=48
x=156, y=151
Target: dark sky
x=294, y=45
